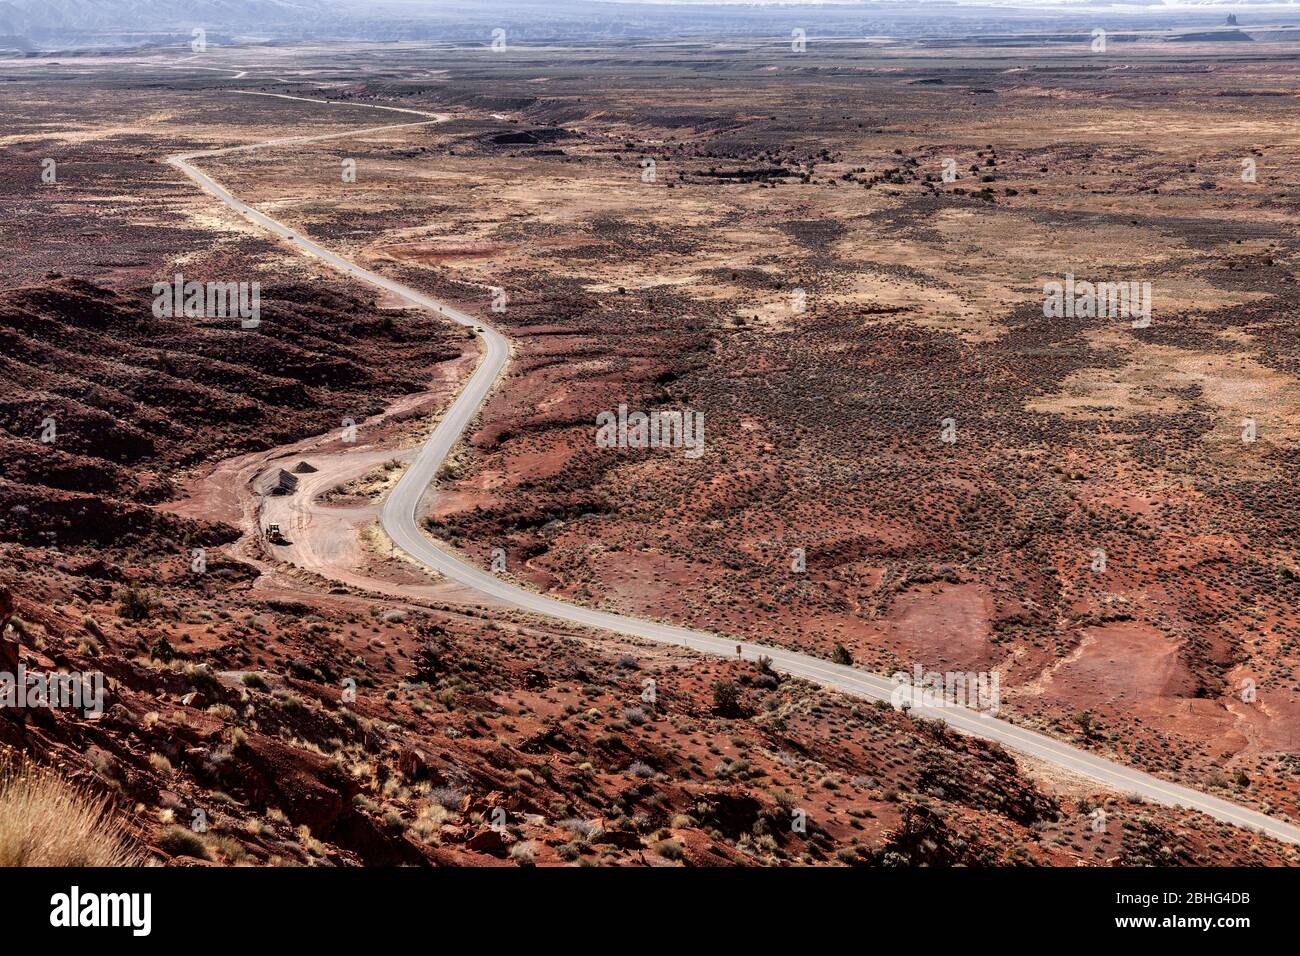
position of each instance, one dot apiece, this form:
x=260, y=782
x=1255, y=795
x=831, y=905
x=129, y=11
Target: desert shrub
x=181, y=841
x=134, y=605
x=841, y=655
x=160, y=763
x=430, y=659
x=670, y=849
x=309, y=843
x=229, y=849
x=523, y=853
x=726, y=697
x=767, y=677
x=201, y=676
x=291, y=703
x=584, y=831
x=448, y=797
x=47, y=821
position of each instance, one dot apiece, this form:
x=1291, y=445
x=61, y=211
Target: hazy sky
x=53, y=24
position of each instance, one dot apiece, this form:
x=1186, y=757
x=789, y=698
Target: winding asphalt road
x=400, y=520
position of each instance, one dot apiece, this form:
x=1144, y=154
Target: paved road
x=400, y=519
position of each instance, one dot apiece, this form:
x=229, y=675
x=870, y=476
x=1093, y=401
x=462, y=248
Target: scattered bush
x=162, y=650
x=160, y=763
x=726, y=697
x=523, y=853
x=181, y=841
x=134, y=605
x=670, y=849
x=447, y=797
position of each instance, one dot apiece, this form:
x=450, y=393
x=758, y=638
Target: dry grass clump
x=47, y=821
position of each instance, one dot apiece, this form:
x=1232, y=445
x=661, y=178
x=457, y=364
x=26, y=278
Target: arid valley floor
x=906, y=462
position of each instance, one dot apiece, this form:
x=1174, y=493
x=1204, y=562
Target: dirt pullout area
x=327, y=507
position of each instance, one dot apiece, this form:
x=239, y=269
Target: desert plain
x=838, y=259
